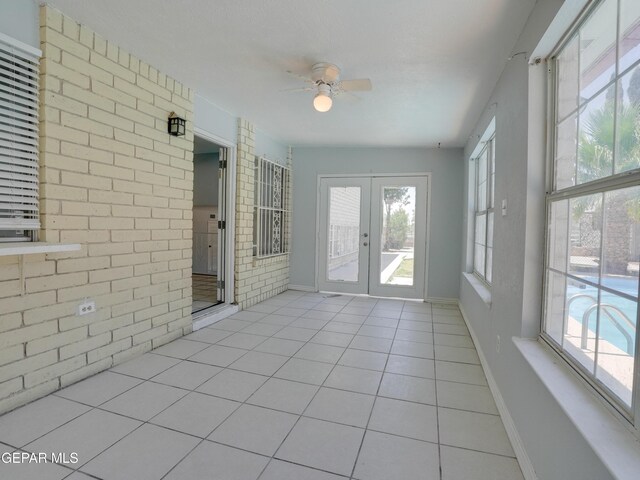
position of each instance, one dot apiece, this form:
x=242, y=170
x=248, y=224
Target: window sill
x=612, y=442
x=481, y=289
x=27, y=248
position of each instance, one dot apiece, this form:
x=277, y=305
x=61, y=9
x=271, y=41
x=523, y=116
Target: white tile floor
x=299, y=387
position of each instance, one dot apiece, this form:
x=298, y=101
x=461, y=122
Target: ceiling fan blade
x=302, y=89
x=301, y=77
x=359, y=85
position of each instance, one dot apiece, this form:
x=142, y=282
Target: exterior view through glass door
x=373, y=235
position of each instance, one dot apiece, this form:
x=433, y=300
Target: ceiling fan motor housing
x=325, y=73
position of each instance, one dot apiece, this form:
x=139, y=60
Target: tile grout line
x=273, y=456
x=366, y=429
x=435, y=383
x=251, y=323
x=310, y=401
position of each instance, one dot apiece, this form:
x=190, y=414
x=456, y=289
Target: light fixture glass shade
x=322, y=102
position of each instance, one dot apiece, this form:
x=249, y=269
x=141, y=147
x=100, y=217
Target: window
x=19, y=71
x=593, y=205
x=271, y=209
x=483, y=174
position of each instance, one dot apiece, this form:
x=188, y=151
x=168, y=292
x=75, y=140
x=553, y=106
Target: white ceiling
x=433, y=63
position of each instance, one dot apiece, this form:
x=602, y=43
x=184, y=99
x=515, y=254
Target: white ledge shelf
x=28, y=248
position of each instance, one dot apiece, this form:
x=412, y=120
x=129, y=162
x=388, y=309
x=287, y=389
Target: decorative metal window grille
x=19, y=74
x=271, y=209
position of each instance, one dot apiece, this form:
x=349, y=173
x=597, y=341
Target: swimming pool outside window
x=593, y=206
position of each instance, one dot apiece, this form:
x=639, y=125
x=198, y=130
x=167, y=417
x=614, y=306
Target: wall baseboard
x=453, y=301
x=302, y=288
x=516, y=442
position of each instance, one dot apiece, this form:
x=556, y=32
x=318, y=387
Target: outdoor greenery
x=397, y=229
x=604, y=150
x=396, y=223
x=405, y=269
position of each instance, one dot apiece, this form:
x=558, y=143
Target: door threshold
x=366, y=295
x=207, y=317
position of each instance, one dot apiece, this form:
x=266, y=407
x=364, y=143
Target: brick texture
x=256, y=279
x=114, y=181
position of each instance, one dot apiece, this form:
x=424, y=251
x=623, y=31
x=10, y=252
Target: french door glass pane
x=344, y=234
x=629, y=47
x=397, y=235
x=597, y=49
x=628, y=120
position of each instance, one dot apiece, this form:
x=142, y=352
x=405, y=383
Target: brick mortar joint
x=44, y=24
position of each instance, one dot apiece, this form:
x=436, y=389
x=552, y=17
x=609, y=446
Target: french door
x=373, y=235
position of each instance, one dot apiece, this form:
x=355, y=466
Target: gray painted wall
x=205, y=179
x=555, y=447
x=20, y=19
x=212, y=119
x=270, y=148
x=446, y=166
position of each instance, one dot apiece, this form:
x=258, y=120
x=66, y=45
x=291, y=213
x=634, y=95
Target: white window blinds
x=19, y=72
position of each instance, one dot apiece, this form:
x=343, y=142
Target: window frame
x=485, y=146
x=611, y=183
x=26, y=54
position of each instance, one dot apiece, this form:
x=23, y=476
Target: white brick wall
x=114, y=181
x=255, y=279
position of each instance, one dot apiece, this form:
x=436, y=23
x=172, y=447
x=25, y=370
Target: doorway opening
x=209, y=214
x=373, y=235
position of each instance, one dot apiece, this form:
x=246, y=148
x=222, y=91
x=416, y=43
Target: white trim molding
x=214, y=315
x=514, y=437
x=230, y=209
x=446, y=300
x=302, y=288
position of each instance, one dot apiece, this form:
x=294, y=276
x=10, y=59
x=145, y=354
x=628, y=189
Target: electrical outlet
x=497, y=343
x=87, y=307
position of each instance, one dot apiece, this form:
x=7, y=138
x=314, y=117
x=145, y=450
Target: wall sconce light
x=176, y=125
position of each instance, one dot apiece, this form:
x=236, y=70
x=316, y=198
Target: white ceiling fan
x=325, y=81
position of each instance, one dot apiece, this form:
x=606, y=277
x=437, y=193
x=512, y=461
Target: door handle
x=365, y=244
x=365, y=235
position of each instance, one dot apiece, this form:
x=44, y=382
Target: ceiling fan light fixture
x=322, y=102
